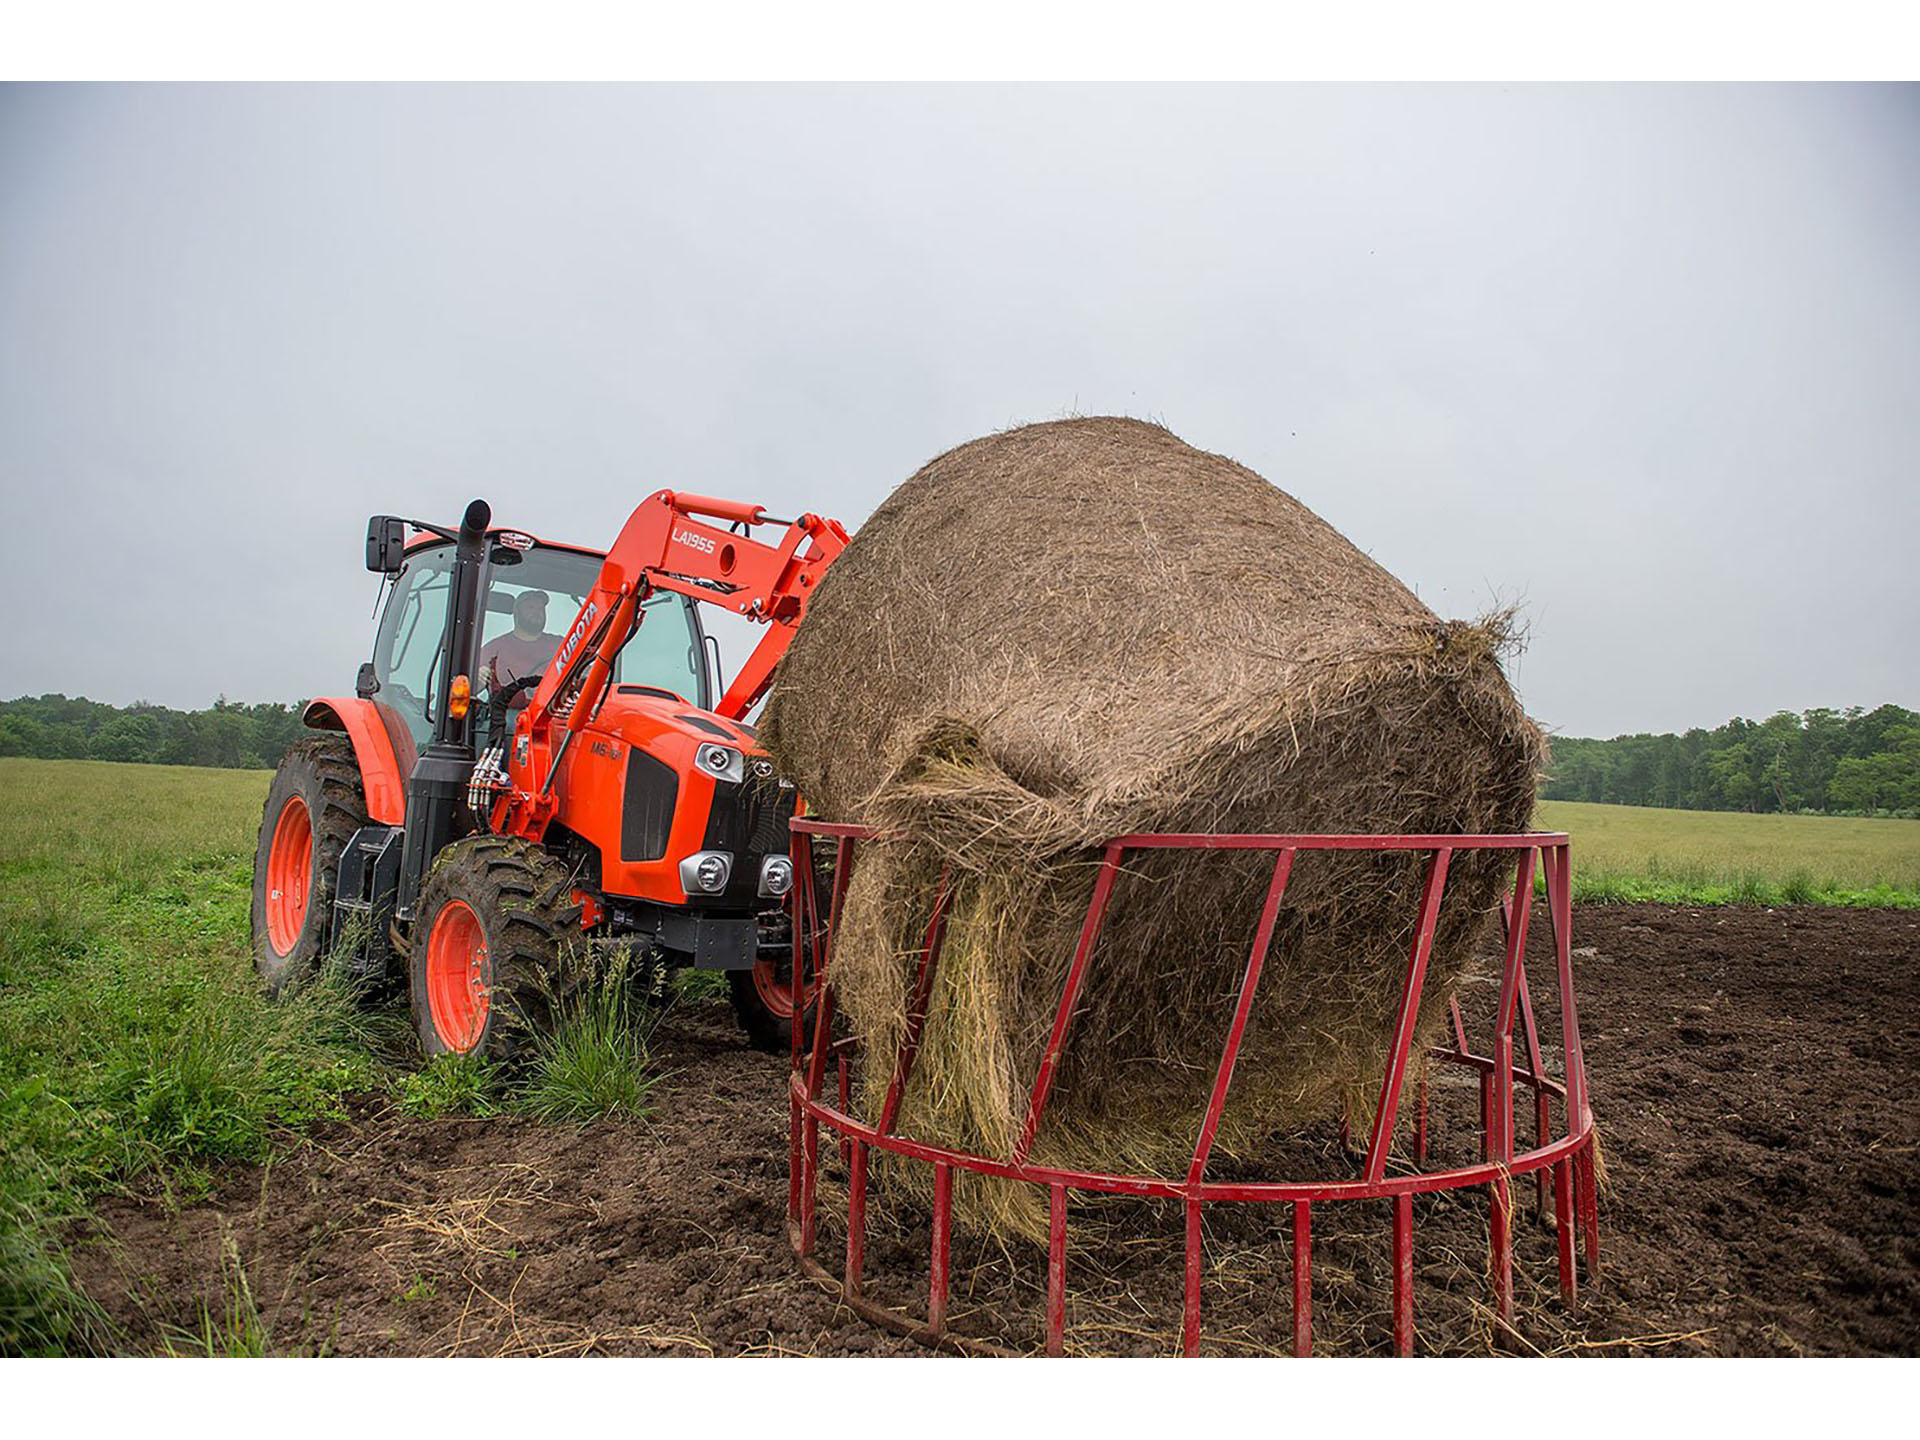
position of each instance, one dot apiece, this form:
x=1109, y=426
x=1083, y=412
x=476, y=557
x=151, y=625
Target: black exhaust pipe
x=436, y=790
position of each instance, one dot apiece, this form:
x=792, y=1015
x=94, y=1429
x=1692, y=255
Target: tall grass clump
x=452, y=1085
x=593, y=1061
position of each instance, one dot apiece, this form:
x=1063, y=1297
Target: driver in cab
x=523, y=651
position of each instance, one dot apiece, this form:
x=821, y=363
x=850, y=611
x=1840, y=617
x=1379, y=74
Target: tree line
x=1855, y=761
x=228, y=736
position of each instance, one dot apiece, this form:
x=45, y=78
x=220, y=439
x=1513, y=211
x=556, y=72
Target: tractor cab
x=529, y=591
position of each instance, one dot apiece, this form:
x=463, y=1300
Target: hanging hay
x=1077, y=630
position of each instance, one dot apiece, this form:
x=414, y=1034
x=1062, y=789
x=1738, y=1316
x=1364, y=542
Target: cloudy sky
x=1644, y=360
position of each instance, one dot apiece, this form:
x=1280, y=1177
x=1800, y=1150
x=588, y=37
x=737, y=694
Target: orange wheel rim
x=459, y=976
x=289, y=873
x=776, y=994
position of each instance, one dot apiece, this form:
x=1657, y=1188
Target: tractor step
x=363, y=899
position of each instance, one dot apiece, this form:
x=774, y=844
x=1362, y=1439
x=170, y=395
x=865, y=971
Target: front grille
x=646, y=816
x=749, y=822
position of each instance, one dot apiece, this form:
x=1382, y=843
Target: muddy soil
x=1755, y=1074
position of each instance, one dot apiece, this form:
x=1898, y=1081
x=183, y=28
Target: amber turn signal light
x=459, y=698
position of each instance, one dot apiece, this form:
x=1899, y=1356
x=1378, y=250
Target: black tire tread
x=322, y=769
x=764, y=1029
x=524, y=898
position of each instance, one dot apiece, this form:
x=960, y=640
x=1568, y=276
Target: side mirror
x=386, y=544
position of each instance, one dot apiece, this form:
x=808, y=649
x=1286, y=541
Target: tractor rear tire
x=314, y=806
x=488, y=954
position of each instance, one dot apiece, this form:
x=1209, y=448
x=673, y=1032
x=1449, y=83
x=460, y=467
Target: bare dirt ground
x=1756, y=1077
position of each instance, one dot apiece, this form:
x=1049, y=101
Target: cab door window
x=407, y=655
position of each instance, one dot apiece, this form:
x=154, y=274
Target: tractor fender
x=380, y=773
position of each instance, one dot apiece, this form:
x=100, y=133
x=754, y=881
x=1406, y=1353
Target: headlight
x=706, y=873
x=721, y=762
x=776, y=876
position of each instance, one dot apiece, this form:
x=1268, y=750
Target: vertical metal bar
x=1535, y=1064
x=1536, y=1068
x=809, y=1174
x=1560, y=906
x=842, y=878
x=916, y=1008
x=1420, y=1122
x=1190, y=1312
x=1223, y=1076
x=803, y=921
x=1056, y=1269
x=942, y=1245
x=1587, y=1199
x=1069, y=995
x=823, y=1010
x=1384, y=1114
x=1500, y=1243
x=845, y=1090
x=822, y=1043
x=1302, y=1278
x=1542, y=1129
x=1563, y=1230
x=856, y=1217
x=793, y=1158
x=1459, y=1027
x=1512, y=964
x=1403, y=1274
x=1486, y=1114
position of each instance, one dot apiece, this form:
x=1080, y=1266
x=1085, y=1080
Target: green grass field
x=1696, y=857
x=135, y=1043
x=133, y=1039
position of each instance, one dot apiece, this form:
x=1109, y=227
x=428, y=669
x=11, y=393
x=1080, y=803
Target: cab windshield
x=531, y=598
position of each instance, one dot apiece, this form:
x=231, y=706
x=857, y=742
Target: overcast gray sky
x=1645, y=360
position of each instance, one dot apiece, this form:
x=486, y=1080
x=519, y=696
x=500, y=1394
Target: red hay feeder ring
x=1564, y=1163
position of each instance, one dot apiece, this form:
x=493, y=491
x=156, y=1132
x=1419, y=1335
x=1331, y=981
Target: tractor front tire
x=314, y=806
x=763, y=1003
x=488, y=952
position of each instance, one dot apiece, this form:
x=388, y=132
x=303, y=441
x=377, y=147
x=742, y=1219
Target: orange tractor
x=493, y=793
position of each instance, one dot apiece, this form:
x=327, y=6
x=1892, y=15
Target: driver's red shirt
x=511, y=658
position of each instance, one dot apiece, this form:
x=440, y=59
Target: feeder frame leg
x=1500, y=1243
x=1587, y=1200
x=1403, y=1274
x=1190, y=1314
x=1056, y=1269
x=1563, y=1231
x=1302, y=1278
x=809, y=1175
x=856, y=1217
x=942, y=1246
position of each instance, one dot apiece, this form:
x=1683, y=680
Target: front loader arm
x=671, y=542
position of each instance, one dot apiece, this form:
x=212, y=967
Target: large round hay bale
x=1075, y=630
